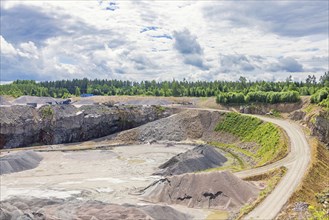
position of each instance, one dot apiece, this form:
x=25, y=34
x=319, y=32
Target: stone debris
x=199, y=158
x=40, y=209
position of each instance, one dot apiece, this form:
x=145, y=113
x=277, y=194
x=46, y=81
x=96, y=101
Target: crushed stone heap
x=52, y=208
x=216, y=190
x=19, y=161
x=199, y=158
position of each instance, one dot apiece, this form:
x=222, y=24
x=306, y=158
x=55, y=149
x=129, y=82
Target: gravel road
x=297, y=162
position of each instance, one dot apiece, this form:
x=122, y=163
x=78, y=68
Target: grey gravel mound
x=3, y=101
x=34, y=99
x=186, y=125
x=84, y=102
x=20, y=161
x=37, y=209
x=199, y=158
x=149, y=101
x=215, y=190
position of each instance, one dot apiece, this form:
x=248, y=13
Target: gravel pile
x=199, y=158
x=149, y=101
x=3, y=101
x=37, y=209
x=84, y=102
x=20, y=161
x=190, y=124
x=215, y=190
x=34, y=99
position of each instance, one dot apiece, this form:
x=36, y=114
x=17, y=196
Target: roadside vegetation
x=321, y=97
x=271, y=141
x=314, y=189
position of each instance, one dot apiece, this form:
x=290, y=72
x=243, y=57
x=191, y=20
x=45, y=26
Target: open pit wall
x=22, y=126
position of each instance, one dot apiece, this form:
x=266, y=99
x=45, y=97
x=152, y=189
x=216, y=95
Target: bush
x=260, y=96
x=320, y=95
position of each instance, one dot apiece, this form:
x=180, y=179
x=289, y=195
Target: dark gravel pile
x=215, y=190
x=199, y=158
x=34, y=99
x=37, y=209
x=149, y=101
x=20, y=161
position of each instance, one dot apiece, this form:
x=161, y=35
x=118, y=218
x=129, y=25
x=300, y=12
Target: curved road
x=296, y=161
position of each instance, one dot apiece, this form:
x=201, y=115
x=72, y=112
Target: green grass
x=271, y=140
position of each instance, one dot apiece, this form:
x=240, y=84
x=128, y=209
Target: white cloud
x=7, y=49
x=162, y=40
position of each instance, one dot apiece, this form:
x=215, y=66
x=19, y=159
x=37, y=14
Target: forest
x=226, y=92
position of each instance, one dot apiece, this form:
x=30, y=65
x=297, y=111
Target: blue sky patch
x=150, y=28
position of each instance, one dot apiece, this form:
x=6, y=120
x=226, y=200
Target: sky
x=163, y=40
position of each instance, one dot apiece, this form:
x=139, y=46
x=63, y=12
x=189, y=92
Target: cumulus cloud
x=235, y=62
x=187, y=45
x=286, y=18
x=145, y=40
x=7, y=49
x=287, y=64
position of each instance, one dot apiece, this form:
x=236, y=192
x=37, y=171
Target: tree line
x=225, y=91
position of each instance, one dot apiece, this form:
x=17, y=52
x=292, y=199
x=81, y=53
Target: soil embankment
x=19, y=161
x=216, y=190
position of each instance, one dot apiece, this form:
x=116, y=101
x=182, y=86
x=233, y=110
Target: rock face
x=297, y=115
x=23, y=125
x=320, y=127
x=199, y=158
x=40, y=209
x=318, y=123
x=19, y=161
x=216, y=190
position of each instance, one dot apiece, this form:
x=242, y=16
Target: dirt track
x=297, y=162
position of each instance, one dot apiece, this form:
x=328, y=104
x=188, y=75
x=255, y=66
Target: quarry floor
x=113, y=175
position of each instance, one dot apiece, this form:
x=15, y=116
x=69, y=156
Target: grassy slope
x=271, y=141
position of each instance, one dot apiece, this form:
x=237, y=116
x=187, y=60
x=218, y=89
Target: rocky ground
x=54, y=209
x=87, y=183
